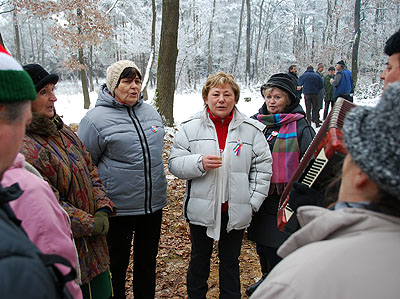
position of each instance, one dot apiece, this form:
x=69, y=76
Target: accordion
x=320, y=163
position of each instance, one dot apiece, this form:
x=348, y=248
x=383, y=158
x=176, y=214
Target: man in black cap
x=343, y=82
x=392, y=71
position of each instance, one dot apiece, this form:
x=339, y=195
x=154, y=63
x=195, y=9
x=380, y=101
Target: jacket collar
x=322, y=224
x=106, y=99
x=44, y=126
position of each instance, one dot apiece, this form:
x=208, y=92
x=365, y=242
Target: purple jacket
x=43, y=219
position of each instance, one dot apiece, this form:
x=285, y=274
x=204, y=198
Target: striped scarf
x=286, y=152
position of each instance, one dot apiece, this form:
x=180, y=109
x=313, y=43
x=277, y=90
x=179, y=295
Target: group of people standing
x=319, y=88
x=85, y=196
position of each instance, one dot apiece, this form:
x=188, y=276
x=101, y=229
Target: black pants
x=229, y=246
x=312, y=102
x=268, y=257
x=146, y=230
x=326, y=109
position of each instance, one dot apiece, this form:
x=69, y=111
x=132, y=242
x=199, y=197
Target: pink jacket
x=42, y=217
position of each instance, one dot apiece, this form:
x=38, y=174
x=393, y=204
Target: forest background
x=177, y=44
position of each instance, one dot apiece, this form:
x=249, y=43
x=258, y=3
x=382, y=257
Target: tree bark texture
x=356, y=44
x=168, y=53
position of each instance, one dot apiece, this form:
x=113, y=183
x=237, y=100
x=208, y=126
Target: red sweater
x=221, y=126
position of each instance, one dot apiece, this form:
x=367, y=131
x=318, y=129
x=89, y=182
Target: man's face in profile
x=392, y=71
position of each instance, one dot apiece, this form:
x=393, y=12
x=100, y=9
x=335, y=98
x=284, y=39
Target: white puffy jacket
x=248, y=174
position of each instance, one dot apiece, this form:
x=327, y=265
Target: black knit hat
x=392, y=45
x=286, y=83
x=331, y=68
x=40, y=76
x=372, y=139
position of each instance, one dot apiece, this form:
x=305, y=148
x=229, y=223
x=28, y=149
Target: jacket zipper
x=146, y=160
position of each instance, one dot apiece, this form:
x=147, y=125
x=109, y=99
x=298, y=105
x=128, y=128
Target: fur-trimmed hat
x=372, y=139
x=15, y=83
x=115, y=70
x=40, y=76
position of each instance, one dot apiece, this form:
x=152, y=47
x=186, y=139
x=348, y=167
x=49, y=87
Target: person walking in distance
x=312, y=83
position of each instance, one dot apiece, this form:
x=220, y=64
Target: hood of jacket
x=322, y=224
x=107, y=100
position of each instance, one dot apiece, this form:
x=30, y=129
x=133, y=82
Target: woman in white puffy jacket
x=226, y=161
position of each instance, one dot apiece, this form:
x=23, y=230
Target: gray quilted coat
x=126, y=145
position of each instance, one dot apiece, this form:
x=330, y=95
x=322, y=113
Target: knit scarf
x=286, y=152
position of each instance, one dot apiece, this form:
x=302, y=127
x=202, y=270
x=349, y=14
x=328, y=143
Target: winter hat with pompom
x=372, y=139
x=15, y=84
x=115, y=70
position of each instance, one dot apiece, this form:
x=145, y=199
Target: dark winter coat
x=312, y=82
x=52, y=150
x=126, y=144
x=263, y=228
x=294, y=77
x=328, y=88
x=321, y=92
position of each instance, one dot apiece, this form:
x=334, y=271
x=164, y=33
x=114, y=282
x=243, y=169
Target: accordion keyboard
x=318, y=165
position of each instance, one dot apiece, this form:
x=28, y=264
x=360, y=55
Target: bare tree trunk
x=31, y=38
x=153, y=52
x=86, y=98
x=239, y=39
x=168, y=53
x=90, y=68
x=42, y=42
x=356, y=44
x=85, y=91
x=258, y=38
x=210, y=62
x=17, y=40
x=195, y=42
x=248, y=49
x=2, y=42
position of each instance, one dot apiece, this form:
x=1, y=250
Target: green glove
x=101, y=224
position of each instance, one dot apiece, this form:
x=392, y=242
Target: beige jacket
x=347, y=253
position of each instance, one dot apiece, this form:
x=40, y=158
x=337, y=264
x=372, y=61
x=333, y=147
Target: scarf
x=286, y=152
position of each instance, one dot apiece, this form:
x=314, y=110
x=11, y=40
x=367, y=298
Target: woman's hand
x=211, y=162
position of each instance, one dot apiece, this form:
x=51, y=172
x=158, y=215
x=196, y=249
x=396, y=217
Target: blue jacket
x=126, y=145
x=345, y=85
x=312, y=82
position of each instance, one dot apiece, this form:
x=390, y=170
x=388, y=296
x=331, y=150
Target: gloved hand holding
x=101, y=224
x=302, y=195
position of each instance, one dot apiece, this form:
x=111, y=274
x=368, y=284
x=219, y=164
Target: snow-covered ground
x=70, y=102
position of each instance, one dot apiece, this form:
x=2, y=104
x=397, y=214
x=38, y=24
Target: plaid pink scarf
x=286, y=152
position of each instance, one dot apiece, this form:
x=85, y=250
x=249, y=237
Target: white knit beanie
x=115, y=70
